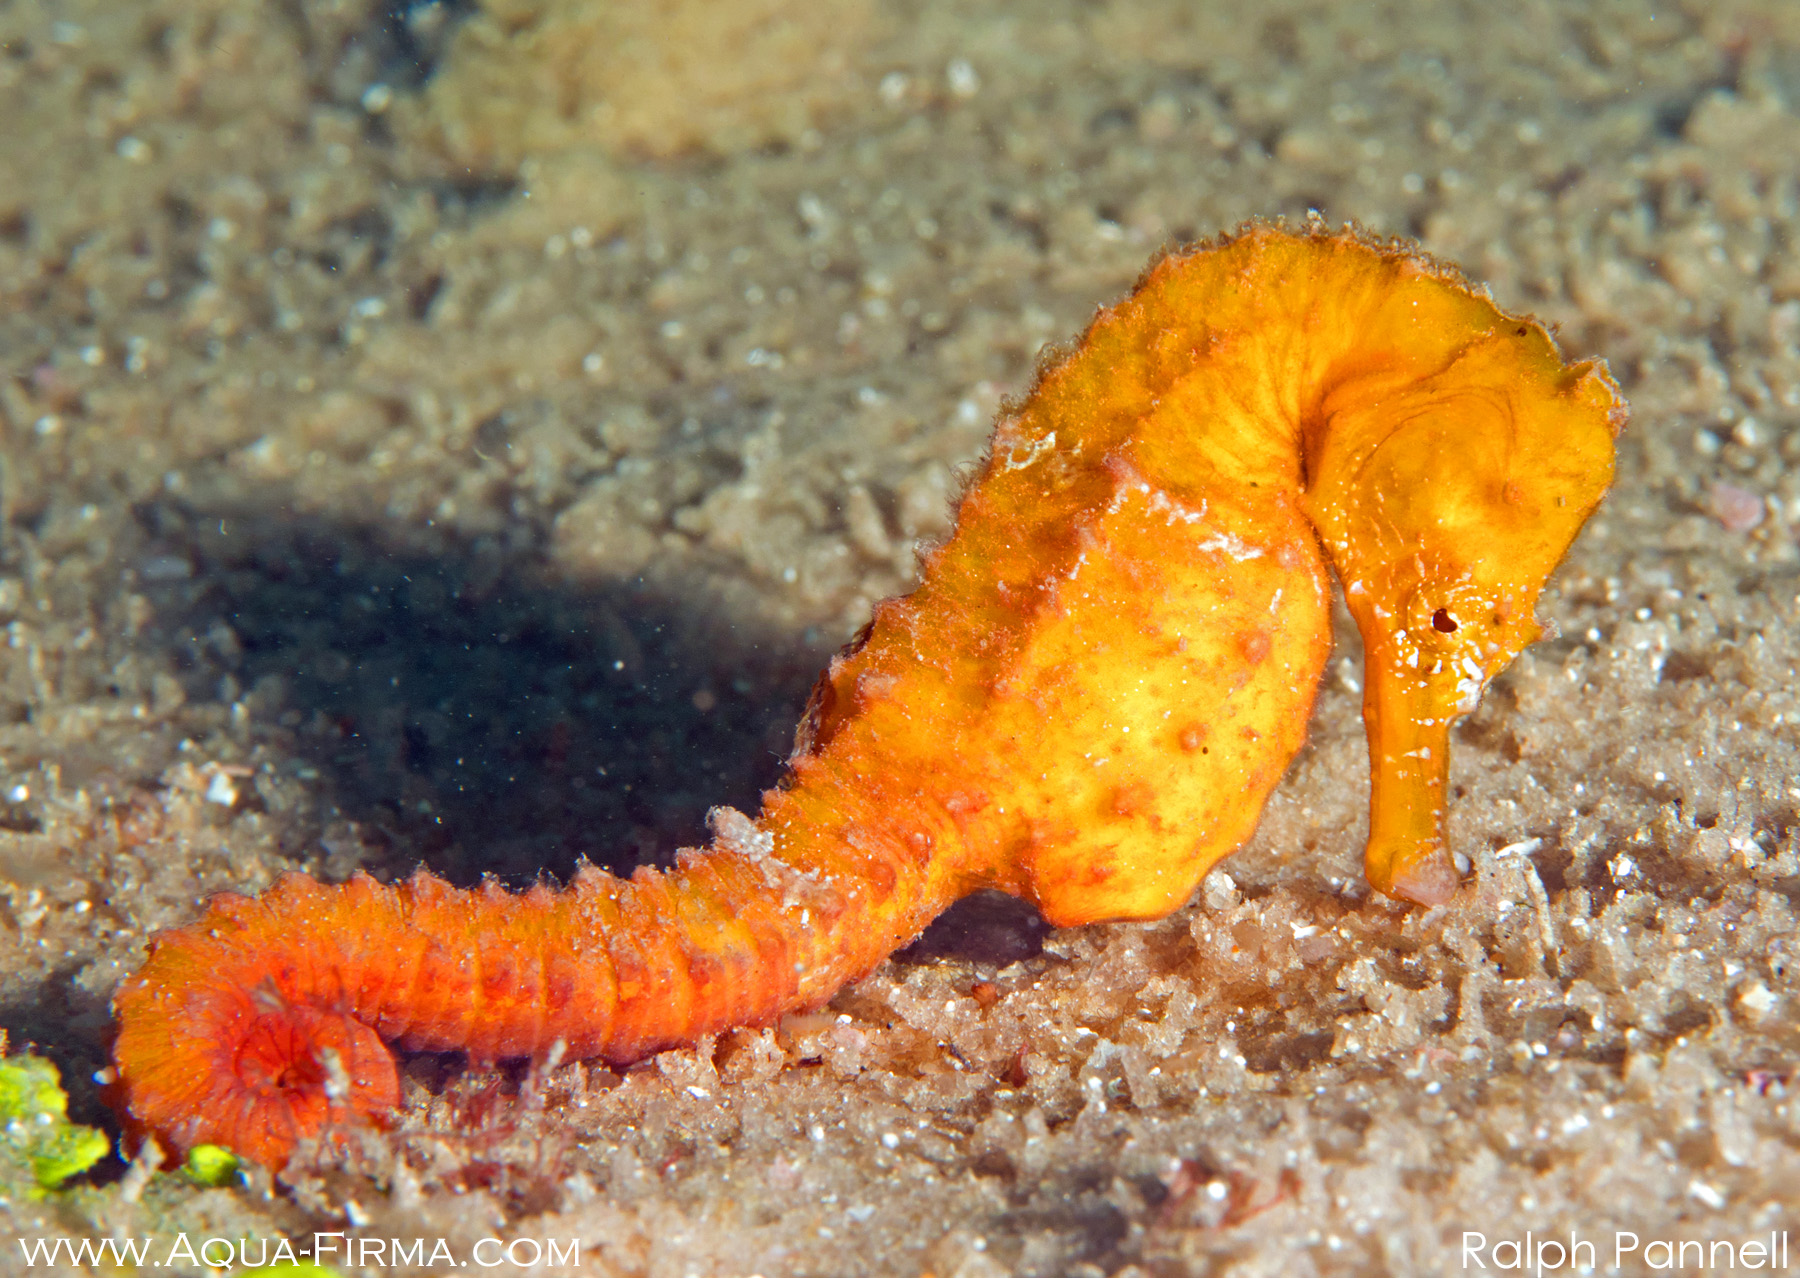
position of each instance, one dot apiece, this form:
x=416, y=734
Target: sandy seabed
x=458, y=434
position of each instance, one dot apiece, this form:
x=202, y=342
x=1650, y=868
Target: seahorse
x=1087, y=699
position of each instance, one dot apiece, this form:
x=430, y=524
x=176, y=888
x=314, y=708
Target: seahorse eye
x=1443, y=622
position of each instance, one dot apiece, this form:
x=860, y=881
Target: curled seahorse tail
x=266, y=1022
x=220, y=1044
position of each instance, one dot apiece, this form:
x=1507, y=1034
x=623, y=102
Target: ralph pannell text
x=1624, y=1252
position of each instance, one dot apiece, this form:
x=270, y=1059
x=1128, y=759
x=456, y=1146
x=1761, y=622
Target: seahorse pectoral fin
x=1409, y=762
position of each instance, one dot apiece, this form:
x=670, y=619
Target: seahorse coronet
x=1100, y=677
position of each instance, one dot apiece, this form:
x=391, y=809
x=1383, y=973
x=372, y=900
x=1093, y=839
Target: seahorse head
x=1445, y=502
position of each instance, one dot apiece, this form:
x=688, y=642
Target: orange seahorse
x=1100, y=677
